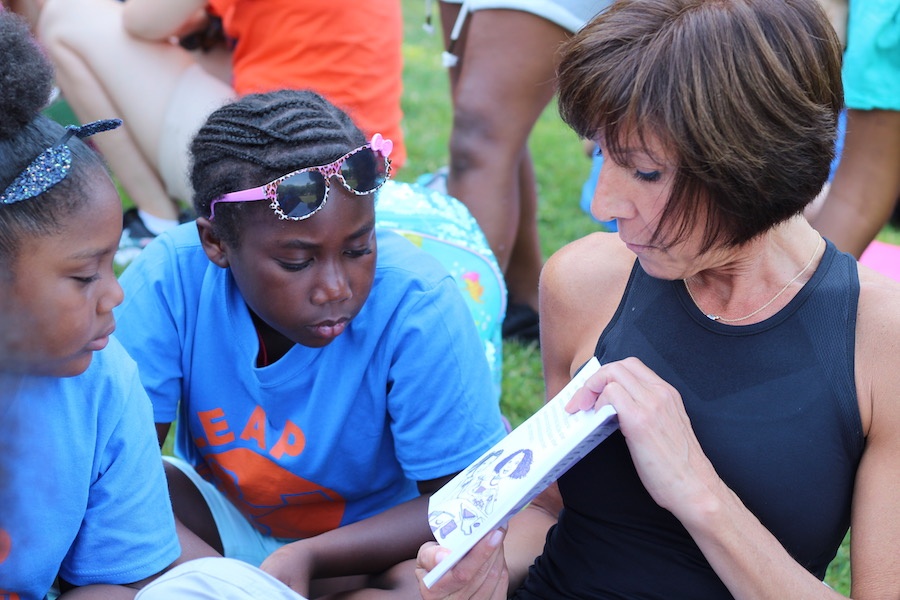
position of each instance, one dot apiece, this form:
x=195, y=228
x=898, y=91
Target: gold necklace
x=713, y=317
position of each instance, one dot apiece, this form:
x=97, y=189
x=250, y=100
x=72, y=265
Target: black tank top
x=774, y=406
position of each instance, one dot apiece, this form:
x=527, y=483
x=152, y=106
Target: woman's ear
x=215, y=248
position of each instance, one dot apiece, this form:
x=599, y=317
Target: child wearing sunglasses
x=325, y=376
x=77, y=424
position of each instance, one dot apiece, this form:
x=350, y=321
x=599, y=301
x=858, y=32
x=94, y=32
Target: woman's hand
x=665, y=450
x=479, y=575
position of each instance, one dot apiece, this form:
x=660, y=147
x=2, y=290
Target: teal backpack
x=442, y=226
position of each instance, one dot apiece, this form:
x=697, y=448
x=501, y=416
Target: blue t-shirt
x=324, y=436
x=82, y=488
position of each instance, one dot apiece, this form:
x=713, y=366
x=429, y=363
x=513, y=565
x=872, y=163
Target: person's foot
x=521, y=324
x=136, y=234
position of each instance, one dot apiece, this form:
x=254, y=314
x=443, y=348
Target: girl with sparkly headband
x=324, y=376
x=77, y=423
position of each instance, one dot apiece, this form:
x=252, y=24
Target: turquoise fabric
x=442, y=226
x=871, y=71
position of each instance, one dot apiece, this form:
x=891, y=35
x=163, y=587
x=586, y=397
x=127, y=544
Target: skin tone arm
x=680, y=478
x=369, y=546
x=866, y=185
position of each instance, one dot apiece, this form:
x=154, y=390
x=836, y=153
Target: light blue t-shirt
x=82, y=488
x=324, y=436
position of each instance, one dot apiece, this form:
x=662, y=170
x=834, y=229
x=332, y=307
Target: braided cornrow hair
x=261, y=137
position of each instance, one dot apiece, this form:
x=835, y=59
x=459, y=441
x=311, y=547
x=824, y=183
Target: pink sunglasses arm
x=257, y=193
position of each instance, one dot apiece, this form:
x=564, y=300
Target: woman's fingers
x=479, y=575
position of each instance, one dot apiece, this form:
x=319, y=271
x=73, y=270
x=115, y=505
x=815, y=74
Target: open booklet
x=515, y=470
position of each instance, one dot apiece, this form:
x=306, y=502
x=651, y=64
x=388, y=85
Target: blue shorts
x=240, y=539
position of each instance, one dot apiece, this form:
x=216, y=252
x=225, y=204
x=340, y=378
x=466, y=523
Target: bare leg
x=191, y=509
x=526, y=261
x=505, y=80
x=866, y=185
x=397, y=583
x=104, y=72
x=29, y=9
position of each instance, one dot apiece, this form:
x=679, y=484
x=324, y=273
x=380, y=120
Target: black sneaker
x=521, y=324
x=135, y=237
x=186, y=215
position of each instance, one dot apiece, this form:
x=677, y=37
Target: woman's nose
x=604, y=204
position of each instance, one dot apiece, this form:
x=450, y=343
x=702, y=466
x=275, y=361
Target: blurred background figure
x=502, y=59
x=164, y=65
x=866, y=186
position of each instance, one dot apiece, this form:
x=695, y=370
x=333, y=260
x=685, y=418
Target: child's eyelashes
x=293, y=267
x=87, y=280
x=299, y=266
x=359, y=253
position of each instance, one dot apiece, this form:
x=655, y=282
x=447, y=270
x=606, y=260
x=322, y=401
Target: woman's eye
x=648, y=176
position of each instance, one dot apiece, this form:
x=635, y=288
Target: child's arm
x=100, y=592
x=162, y=432
x=191, y=547
x=369, y=546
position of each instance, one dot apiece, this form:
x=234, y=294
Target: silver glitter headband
x=52, y=165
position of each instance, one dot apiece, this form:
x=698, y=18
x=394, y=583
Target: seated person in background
x=325, y=377
x=77, y=425
x=752, y=364
x=123, y=58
